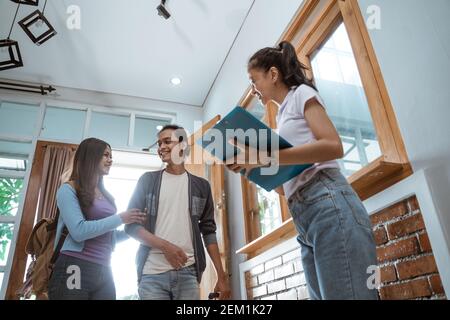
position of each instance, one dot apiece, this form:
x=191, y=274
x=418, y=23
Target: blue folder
x=239, y=118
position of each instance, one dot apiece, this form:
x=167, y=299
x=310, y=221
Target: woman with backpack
x=82, y=270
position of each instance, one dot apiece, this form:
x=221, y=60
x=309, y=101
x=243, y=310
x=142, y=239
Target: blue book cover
x=241, y=120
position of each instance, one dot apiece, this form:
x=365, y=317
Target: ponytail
x=284, y=58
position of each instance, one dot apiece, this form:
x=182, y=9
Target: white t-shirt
x=293, y=127
x=173, y=222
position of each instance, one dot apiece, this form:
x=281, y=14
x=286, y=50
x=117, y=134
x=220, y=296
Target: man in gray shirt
x=180, y=222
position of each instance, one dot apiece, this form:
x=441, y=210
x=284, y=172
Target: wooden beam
x=378, y=176
x=199, y=133
x=284, y=231
x=300, y=19
x=221, y=215
x=198, y=155
x=26, y=224
x=324, y=22
x=400, y=146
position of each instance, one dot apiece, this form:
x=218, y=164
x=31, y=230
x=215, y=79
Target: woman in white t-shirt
x=334, y=229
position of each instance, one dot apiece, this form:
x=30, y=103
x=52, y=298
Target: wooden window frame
x=314, y=22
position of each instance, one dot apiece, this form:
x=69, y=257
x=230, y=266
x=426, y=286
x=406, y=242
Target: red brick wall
x=406, y=261
x=405, y=257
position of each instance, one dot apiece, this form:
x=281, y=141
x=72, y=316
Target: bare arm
x=328, y=145
x=222, y=285
x=174, y=254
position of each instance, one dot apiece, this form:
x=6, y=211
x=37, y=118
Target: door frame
x=26, y=223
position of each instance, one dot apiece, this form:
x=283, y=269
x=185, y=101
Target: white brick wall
x=288, y=295
x=276, y=286
x=284, y=271
x=259, y=291
x=295, y=281
x=273, y=263
x=276, y=275
x=266, y=277
x=294, y=254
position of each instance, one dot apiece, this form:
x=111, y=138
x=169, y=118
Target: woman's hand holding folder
x=280, y=191
x=247, y=159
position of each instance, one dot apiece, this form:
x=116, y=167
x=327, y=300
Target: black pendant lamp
x=37, y=27
x=9, y=50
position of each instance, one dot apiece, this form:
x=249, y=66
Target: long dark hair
x=284, y=58
x=85, y=172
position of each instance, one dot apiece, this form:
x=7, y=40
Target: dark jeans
x=77, y=279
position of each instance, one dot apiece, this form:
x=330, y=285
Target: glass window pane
x=145, y=131
x=372, y=149
x=63, y=124
x=111, y=128
x=6, y=234
x=10, y=163
x=257, y=109
x=269, y=210
x=19, y=150
x=268, y=202
x=10, y=192
x=339, y=83
x=18, y=119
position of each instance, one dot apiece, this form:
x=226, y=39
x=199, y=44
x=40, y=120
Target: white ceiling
x=125, y=48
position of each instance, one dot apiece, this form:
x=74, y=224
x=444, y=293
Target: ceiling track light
x=175, y=81
x=40, y=89
x=162, y=11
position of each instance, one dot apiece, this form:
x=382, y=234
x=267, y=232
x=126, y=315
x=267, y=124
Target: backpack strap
x=61, y=240
x=58, y=248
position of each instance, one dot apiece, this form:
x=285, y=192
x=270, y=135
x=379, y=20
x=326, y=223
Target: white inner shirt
x=173, y=222
x=293, y=127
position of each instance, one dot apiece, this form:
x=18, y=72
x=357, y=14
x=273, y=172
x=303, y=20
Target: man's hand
x=174, y=254
x=223, y=287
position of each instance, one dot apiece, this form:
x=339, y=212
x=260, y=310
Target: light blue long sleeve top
x=80, y=229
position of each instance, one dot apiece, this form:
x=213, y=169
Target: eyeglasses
x=166, y=142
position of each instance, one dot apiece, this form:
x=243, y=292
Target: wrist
x=163, y=245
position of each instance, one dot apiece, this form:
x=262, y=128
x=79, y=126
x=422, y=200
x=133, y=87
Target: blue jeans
x=171, y=285
x=336, y=239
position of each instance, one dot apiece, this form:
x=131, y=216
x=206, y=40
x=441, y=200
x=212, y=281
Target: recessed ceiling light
x=159, y=128
x=175, y=81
